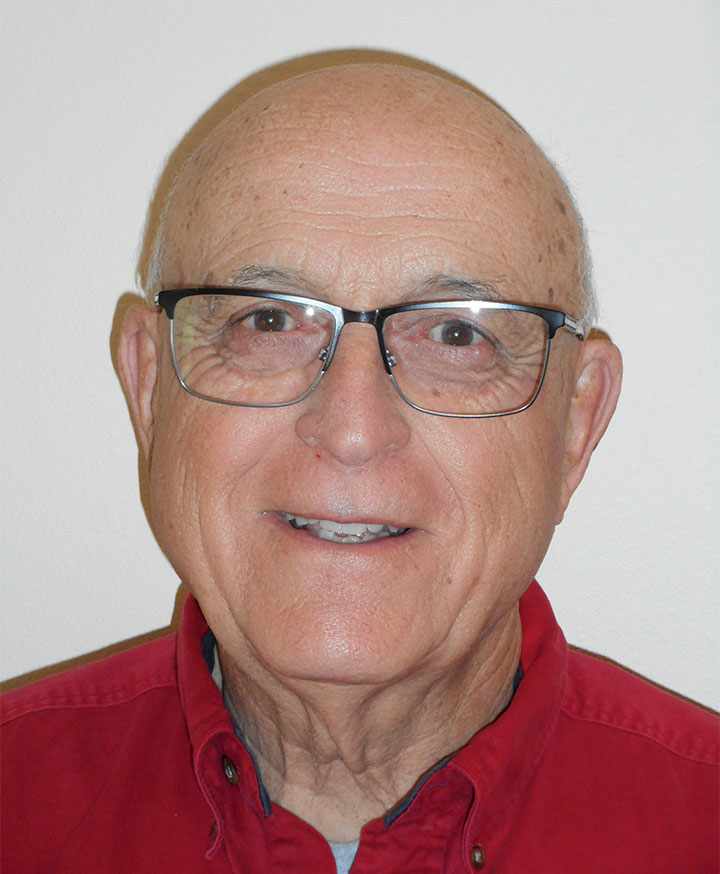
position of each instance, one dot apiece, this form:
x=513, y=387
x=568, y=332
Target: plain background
x=622, y=94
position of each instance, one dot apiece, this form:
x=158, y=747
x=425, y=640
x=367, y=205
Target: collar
x=500, y=759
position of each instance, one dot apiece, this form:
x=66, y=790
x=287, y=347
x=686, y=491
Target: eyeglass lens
x=258, y=351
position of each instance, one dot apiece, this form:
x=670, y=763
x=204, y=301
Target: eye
x=270, y=319
x=456, y=333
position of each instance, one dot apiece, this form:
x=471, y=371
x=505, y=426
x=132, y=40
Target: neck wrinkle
x=341, y=756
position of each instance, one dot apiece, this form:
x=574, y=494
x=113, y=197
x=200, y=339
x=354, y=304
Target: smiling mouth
x=344, y=532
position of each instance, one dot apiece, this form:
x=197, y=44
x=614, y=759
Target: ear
x=138, y=355
x=597, y=387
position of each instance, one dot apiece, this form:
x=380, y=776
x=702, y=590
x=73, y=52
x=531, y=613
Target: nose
x=355, y=414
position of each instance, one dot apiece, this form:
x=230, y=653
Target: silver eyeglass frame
x=554, y=320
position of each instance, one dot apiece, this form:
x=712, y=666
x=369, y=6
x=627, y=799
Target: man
x=365, y=396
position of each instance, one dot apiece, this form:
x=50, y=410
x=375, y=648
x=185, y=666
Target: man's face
x=364, y=209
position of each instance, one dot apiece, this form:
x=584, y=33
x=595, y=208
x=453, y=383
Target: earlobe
x=595, y=395
x=138, y=367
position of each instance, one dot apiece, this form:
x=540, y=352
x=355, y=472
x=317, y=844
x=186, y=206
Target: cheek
x=507, y=483
x=204, y=455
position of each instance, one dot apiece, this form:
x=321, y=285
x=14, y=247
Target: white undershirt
x=344, y=854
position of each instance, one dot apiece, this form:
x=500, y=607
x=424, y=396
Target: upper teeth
x=344, y=532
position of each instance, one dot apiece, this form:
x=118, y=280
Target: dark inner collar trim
x=208, y=649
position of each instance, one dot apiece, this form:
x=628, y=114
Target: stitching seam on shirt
x=706, y=756
x=81, y=700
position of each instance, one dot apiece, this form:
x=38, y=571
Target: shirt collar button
x=230, y=770
x=477, y=857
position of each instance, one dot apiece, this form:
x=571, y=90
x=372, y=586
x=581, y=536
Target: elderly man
x=366, y=394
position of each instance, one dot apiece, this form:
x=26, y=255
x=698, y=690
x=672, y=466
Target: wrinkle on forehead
x=364, y=133
x=384, y=117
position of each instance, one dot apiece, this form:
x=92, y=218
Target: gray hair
x=149, y=271
x=586, y=293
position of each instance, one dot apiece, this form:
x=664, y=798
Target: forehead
x=366, y=180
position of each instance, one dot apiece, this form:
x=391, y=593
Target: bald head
x=376, y=143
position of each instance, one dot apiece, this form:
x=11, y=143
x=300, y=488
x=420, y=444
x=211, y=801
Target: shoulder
x=107, y=683
x=600, y=693
x=634, y=769
x=95, y=754
x=65, y=736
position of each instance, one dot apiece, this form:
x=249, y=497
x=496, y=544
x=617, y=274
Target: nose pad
x=355, y=414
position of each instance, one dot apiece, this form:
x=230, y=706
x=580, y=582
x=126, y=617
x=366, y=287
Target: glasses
x=461, y=358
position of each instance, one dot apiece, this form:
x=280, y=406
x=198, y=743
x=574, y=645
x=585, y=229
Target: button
x=477, y=856
x=230, y=770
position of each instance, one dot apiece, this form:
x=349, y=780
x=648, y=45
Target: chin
x=333, y=657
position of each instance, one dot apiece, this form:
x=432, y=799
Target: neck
x=340, y=755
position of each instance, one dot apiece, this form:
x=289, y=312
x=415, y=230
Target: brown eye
x=455, y=333
x=271, y=319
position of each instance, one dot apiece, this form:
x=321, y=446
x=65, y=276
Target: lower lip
x=307, y=537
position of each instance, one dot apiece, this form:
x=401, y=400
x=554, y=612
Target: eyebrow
x=459, y=287
x=271, y=276
x=439, y=285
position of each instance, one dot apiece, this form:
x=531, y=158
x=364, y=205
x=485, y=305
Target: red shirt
x=131, y=765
